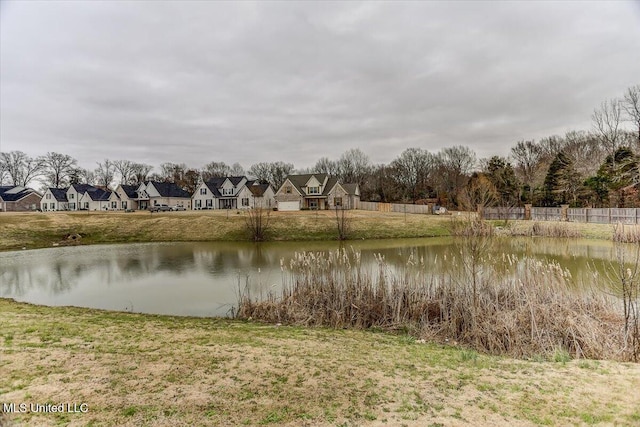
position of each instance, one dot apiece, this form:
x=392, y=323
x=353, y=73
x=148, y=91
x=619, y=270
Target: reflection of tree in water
x=18, y=279
x=61, y=281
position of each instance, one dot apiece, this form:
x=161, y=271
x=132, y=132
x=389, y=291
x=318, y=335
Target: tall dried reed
x=529, y=312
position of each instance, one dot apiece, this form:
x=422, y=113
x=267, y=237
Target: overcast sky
x=196, y=82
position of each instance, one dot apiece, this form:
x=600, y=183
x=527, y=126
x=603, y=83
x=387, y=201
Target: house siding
x=26, y=204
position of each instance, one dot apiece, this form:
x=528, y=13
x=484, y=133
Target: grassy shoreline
x=43, y=230
x=133, y=369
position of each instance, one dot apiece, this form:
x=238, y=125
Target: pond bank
x=43, y=230
x=133, y=369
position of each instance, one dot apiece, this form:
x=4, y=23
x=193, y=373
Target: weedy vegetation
x=501, y=305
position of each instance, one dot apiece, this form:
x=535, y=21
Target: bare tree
x=631, y=105
x=3, y=171
x=57, y=168
x=279, y=172
x=585, y=151
x=354, y=166
x=125, y=168
x=104, y=173
x=190, y=181
x=261, y=171
x=478, y=193
x=82, y=176
x=139, y=173
x=324, y=165
x=454, y=164
x=257, y=221
x=343, y=222
x=236, y=170
x=412, y=170
x=273, y=173
x=20, y=167
x=529, y=162
x=215, y=170
x=606, y=122
x=173, y=172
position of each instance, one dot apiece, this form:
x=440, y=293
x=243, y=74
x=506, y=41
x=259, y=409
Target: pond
x=203, y=279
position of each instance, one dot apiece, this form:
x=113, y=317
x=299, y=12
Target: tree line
x=598, y=167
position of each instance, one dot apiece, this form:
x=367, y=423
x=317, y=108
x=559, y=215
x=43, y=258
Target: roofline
x=292, y=184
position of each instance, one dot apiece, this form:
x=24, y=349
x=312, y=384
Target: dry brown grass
x=528, y=312
x=35, y=230
x=142, y=370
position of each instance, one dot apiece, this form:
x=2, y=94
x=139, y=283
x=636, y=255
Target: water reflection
x=202, y=279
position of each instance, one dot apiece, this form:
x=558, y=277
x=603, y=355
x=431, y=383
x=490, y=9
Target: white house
x=234, y=192
x=219, y=193
x=54, y=199
x=153, y=193
x=96, y=200
x=127, y=197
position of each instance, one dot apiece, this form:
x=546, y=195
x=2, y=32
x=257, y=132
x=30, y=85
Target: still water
x=202, y=279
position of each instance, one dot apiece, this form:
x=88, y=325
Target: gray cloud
x=201, y=81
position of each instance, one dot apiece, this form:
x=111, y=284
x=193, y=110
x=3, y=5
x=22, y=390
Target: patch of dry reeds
x=554, y=229
x=530, y=312
x=623, y=233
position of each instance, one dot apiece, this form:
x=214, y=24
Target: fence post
x=527, y=212
x=564, y=212
x=480, y=211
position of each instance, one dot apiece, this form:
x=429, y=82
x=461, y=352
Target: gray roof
x=299, y=181
x=99, y=195
x=14, y=193
x=60, y=194
x=169, y=189
x=257, y=189
x=214, y=184
x=130, y=190
x=351, y=189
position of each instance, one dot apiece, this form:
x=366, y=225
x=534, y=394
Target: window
x=203, y=191
x=337, y=201
x=209, y=203
x=124, y=205
x=72, y=206
x=199, y=203
x=287, y=189
x=313, y=190
x=71, y=196
x=245, y=201
x=86, y=205
x=227, y=191
x=48, y=196
x=53, y=206
x=114, y=205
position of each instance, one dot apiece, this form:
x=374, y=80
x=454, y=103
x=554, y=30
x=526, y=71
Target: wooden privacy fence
x=564, y=213
x=396, y=207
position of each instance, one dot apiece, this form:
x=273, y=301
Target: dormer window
x=313, y=190
x=227, y=191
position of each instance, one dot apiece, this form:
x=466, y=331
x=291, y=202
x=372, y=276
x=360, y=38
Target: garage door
x=288, y=206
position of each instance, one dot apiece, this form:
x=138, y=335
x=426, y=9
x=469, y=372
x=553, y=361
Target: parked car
x=178, y=208
x=159, y=208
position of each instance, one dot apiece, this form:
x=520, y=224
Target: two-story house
x=232, y=192
x=54, y=199
x=316, y=191
x=153, y=193
x=125, y=197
